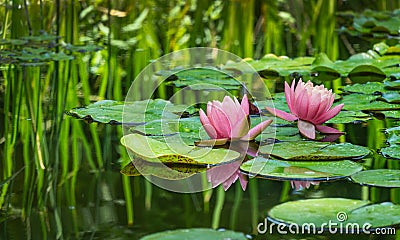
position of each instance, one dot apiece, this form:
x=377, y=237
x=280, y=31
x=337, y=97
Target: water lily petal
x=326, y=129
x=240, y=129
x=288, y=95
x=329, y=114
x=220, y=121
x=245, y=105
x=315, y=102
x=243, y=181
x=302, y=105
x=210, y=130
x=232, y=110
x=307, y=129
x=282, y=114
x=255, y=131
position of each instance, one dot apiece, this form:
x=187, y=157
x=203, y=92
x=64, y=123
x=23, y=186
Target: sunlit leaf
x=378, y=178
x=300, y=170
x=176, y=152
x=134, y=113
x=196, y=233
x=313, y=151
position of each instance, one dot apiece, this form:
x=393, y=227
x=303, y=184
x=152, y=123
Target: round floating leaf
x=338, y=211
x=358, y=102
x=139, y=112
x=378, y=178
x=314, y=151
x=392, y=151
x=300, y=170
x=349, y=117
x=392, y=84
x=176, y=152
x=366, y=73
x=206, y=78
x=189, y=129
x=367, y=88
x=390, y=97
x=196, y=233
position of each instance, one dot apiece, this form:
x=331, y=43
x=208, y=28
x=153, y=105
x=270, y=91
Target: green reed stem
x=236, y=205
x=218, y=207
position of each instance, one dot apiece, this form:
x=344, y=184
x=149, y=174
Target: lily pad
x=189, y=129
x=367, y=88
x=349, y=117
x=378, y=178
x=393, y=151
x=134, y=113
x=207, y=78
x=315, y=151
x=171, y=172
x=300, y=170
x=357, y=102
x=318, y=213
x=196, y=233
x=155, y=151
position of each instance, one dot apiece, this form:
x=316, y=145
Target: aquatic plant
x=311, y=106
x=229, y=120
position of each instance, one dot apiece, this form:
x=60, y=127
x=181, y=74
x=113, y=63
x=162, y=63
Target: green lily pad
x=171, y=152
x=393, y=151
x=337, y=211
x=205, y=78
x=300, y=170
x=196, y=233
x=135, y=113
x=378, y=178
x=171, y=172
x=392, y=84
x=390, y=97
x=280, y=133
x=189, y=129
x=358, y=102
x=315, y=151
x=367, y=88
x=349, y=117
x=366, y=73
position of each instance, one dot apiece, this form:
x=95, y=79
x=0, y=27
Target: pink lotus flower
x=229, y=120
x=311, y=106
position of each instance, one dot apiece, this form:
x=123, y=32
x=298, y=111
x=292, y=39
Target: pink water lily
x=230, y=120
x=311, y=106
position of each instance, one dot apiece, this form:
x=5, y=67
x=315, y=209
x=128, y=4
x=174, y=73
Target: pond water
x=61, y=166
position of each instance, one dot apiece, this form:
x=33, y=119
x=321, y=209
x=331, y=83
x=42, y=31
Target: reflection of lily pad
x=196, y=233
x=172, y=171
x=338, y=211
x=378, y=178
x=300, y=170
x=309, y=150
x=176, y=152
x=139, y=112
